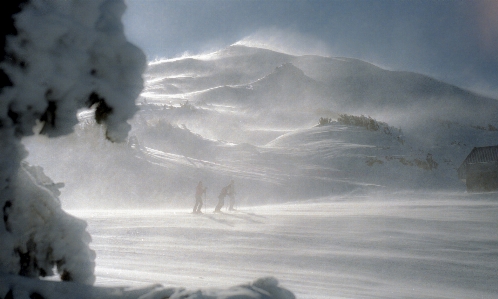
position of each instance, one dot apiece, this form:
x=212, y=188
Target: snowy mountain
x=344, y=84
x=251, y=114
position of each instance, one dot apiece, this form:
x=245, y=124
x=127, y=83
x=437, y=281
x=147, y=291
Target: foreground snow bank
x=17, y=287
x=39, y=236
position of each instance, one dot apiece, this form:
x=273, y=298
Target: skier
x=199, y=191
x=231, y=194
x=221, y=199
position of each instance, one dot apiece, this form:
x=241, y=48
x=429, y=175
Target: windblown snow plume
x=57, y=56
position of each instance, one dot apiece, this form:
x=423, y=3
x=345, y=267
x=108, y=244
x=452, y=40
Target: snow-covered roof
x=486, y=154
x=482, y=155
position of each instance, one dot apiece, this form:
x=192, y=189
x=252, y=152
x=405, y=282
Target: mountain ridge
x=341, y=84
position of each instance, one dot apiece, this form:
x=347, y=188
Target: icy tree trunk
x=56, y=56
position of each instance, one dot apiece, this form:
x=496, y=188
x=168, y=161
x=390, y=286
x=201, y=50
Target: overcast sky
x=455, y=41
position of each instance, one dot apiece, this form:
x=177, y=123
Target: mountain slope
x=250, y=115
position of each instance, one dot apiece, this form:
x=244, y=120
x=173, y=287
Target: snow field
x=391, y=246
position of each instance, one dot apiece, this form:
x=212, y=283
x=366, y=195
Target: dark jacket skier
x=231, y=194
x=199, y=191
x=221, y=199
x=227, y=190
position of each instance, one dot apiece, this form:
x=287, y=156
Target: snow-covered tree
x=56, y=56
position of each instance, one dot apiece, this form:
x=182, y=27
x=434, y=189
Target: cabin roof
x=482, y=155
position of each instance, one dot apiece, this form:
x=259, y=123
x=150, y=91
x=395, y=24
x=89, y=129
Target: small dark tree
x=324, y=121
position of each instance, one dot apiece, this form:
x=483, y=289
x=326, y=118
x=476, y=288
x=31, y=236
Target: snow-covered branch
x=57, y=56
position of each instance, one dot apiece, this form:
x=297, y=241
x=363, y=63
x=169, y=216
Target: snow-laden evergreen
x=59, y=57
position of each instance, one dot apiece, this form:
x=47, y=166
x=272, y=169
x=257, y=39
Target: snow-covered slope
x=250, y=114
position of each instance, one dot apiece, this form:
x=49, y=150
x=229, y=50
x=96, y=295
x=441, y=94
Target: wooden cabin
x=479, y=171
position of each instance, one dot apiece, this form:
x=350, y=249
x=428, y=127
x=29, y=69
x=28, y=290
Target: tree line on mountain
x=366, y=122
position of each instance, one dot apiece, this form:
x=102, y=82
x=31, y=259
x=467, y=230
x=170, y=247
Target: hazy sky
x=456, y=41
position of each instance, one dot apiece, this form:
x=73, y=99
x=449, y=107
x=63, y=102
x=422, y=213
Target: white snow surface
x=404, y=245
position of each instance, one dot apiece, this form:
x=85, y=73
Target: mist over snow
x=286, y=41
x=251, y=114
